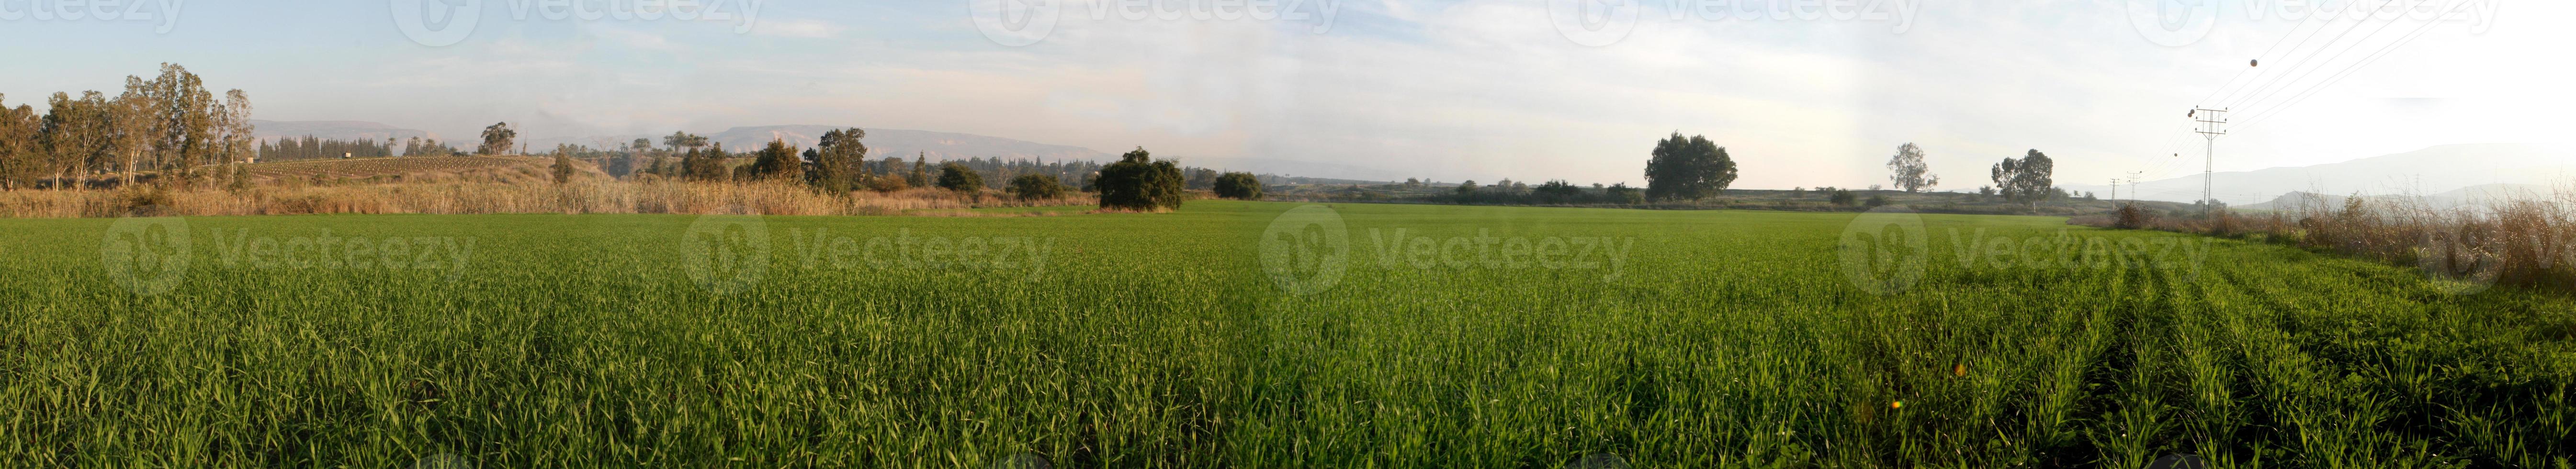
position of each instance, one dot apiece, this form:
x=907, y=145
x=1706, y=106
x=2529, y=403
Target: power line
x=2303, y=42
x=2303, y=61
x=2257, y=63
x=2347, y=72
x=2322, y=65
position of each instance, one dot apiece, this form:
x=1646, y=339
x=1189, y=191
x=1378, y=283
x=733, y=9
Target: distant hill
x=2428, y=171
x=331, y=130
x=2467, y=197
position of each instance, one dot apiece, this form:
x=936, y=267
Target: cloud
x=808, y=29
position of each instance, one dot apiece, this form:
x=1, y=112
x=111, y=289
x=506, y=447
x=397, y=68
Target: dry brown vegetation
x=479, y=185
x=2525, y=240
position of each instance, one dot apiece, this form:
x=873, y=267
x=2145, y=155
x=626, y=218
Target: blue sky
x=1445, y=89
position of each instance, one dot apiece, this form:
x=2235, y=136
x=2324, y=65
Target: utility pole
x=2213, y=123
x=2115, y=191
x=2133, y=185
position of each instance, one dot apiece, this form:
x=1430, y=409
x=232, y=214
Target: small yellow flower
x=1896, y=405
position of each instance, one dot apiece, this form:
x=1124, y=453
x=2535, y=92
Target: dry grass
x=2524, y=240
x=493, y=193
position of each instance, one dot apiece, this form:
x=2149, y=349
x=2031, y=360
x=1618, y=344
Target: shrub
x=1877, y=201
x=1845, y=198
x=2132, y=217
x=1137, y=182
x=1238, y=186
x=1037, y=187
x=958, y=177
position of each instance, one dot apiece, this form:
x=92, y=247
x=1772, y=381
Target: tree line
x=169, y=123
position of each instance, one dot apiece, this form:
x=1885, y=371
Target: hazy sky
x=1444, y=89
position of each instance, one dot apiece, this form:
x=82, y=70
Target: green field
x=1701, y=339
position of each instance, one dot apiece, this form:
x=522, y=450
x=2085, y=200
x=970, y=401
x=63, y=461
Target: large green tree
x=2026, y=180
x=776, y=160
x=840, y=161
x=1689, y=168
x=1138, y=182
x=1239, y=186
x=958, y=177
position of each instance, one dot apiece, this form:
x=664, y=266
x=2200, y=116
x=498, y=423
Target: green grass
x=1725, y=339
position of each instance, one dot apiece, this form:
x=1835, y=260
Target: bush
x=1877, y=201
x=1037, y=187
x=1845, y=198
x=1137, y=182
x=1238, y=186
x=2132, y=217
x=958, y=177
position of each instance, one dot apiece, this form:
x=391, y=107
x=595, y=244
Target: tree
x=1688, y=168
x=1202, y=178
x=1239, y=186
x=1037, y=187
x=563, y=167
x=958, y=177
x=776, y=161
x=683, y=140
x=920, y=176
x=1559, y=190
x=1468, y=187
x=2026, y=180
x=22, y=158
x=1621, y=193
x=498, y=139
x=1908, y=170
x=1138, y=182
x=840, y=161
x=706, y=165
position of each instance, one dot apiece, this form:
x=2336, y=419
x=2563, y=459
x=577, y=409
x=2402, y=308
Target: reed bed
x=2525, y=239
x=494, y=195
